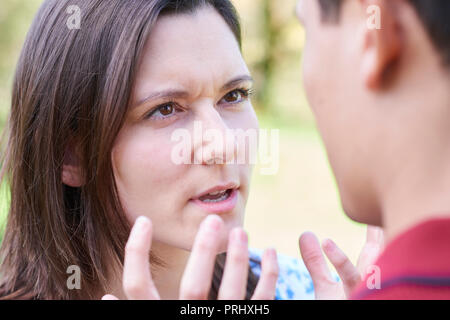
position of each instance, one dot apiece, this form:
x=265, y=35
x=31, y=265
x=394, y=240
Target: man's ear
x=382, y=41
x=71, y=170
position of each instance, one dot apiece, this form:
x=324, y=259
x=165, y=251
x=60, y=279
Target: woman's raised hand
x=325, y=287
x=197, y=278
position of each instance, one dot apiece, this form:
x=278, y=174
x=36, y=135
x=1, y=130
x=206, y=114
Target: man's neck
x=421, y=195
x=415, y=186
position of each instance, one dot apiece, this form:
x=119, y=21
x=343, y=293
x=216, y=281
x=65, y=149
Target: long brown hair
x=71, y=91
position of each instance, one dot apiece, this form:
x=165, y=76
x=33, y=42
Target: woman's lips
x=217, y=207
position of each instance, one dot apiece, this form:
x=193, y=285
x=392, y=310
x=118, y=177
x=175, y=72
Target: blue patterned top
x=294, y=281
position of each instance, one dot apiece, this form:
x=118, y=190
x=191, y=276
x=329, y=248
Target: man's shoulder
x=403, y=289
x=415, y=265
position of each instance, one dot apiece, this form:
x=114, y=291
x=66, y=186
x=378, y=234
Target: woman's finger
x=234, y=280
x=348, y=273
x=266, y=288
x=315, y=261
x=109, y=297
x=137, y=280
x=375, y=235
x=197, y=277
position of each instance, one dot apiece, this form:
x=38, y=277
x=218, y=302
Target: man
x=377, y=76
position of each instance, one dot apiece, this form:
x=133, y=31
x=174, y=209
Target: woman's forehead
x=190, y=39
x=190, y=49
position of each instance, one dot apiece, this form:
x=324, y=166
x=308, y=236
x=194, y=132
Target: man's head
x=377, y=76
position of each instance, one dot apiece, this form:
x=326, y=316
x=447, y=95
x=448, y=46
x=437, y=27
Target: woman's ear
x=382, y=43
x=71, y=170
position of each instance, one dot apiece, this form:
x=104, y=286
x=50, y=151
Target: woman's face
x=191, y=75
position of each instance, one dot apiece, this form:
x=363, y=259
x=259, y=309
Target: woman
x=89, y=150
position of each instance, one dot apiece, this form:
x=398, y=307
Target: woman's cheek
x=153, y=165
x=145, y=175
x=141, y=160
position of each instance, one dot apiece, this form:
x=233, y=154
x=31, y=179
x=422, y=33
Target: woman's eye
x=164, y=111
x=236, y=96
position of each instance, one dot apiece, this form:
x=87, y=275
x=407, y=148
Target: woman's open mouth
x=218, y=200
x=216, y=196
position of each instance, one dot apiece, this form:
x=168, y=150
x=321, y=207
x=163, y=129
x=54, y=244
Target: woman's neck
x=167, y=278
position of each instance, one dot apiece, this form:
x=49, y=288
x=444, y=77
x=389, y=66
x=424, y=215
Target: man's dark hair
x=433, y=13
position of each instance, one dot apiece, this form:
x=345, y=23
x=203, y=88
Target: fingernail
x=272, y=253
x=329, y=244
x=142, y=223
x=213, y=223
x=239, y=236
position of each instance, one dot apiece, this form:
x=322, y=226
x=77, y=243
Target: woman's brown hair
x=70, y=96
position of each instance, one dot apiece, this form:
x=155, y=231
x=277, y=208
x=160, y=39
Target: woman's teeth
x=216, y=196
x=218, y=202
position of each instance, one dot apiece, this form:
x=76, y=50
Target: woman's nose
x=213, y=141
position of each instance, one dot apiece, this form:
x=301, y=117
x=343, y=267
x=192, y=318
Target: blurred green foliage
x=272, y=45
x=15, y=19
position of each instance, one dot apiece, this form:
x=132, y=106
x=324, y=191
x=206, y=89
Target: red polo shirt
x=414, y=266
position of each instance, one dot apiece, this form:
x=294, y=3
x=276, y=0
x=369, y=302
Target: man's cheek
x=310, y=90
x=308, y=74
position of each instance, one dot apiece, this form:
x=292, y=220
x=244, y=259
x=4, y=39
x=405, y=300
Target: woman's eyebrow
x=236, y=81
x=165, y=94
x=180, y=94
